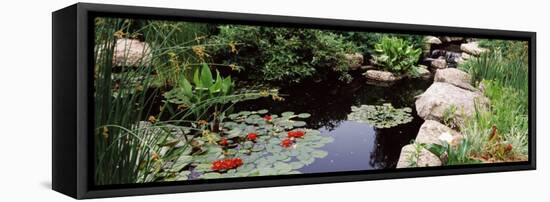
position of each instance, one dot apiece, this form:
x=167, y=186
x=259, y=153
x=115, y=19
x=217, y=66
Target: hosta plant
x=397, y=56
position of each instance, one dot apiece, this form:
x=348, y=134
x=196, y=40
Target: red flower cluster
x=223, y=142
x=226, y=164
x=286, y=143
x=251, y=136
x=268, y=118
x=296, y=134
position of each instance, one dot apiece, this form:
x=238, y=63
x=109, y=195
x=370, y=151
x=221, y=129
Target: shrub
x=397, y=55
x=283, y=54
x=367, y=40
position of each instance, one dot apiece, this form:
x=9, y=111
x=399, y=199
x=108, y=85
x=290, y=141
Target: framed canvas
x=157, y=100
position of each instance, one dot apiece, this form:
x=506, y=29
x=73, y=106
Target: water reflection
x=357, y=146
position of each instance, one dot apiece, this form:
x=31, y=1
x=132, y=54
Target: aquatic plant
x=280, y=146
x=380, y=116
x=397, y=56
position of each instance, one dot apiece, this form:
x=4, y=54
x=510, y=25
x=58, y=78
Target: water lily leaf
x=212, y=175
x=262, y=111
x=183, y=175
x=287, y=114
x=380, y=116
x=319, y=154
x=181, y=162
x=233, y=133
x=282, y=167
x=296, y=165
x=299, y=123
x=304, y=115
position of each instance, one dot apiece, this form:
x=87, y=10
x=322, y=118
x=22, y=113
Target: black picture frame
x=72, y=139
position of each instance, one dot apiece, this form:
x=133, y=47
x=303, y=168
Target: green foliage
x=380, y=116
x=397, y=56
x=453, y=155
x=449, y=116
x=509, y=117
x=283, y=54
x=366, y=41
x=505, y=63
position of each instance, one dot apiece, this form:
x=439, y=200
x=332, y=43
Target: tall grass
x=501, y=132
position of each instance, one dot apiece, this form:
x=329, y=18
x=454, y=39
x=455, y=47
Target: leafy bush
x=283, y=54
x=397, y=55
x=366, y=41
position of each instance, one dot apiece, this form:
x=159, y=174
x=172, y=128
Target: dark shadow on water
x=357, y=146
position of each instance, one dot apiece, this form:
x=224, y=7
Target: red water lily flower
x=286, y=143
x=252, y=136
x=268, y=118
x=223, y=142
x=226, y=164
x=296, y=134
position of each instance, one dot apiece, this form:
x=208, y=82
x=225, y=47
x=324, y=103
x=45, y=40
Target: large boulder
x=433, y=132
x=354, y=60
x=131, y=53
x=384, y=76
x=415, y=156
x=454, y=76
x=449, y=39
x=432, y=40
x=439, y=63
x=441, y=97
x=472, y=48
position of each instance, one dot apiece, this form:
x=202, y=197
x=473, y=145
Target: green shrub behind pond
x=284, y=55
x=397, y=56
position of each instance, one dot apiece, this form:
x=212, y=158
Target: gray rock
x=410, y=157
x=472, y=48
x=454, y=76
x=432, y=40
x=465, y=56
x=354, y=60
x=448, y=39
x=131, y=53
x=431, y=131
x=439, y=63
x=379, y=75
x=439, y=97
x=424, y=72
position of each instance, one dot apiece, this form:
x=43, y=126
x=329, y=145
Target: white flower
x=446, y=137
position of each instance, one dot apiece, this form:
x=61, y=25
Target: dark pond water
x=357, y=146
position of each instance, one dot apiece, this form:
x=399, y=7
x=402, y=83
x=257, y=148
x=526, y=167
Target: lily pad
x=380, y=116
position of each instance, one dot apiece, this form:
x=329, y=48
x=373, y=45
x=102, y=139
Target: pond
x=356, y=146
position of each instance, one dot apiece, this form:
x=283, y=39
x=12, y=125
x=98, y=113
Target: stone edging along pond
x=450, y=95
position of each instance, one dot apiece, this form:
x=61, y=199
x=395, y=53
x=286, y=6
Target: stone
x=410, y=157
x=472, y=48
x=439, y=63
x=432, y=40
x=455, y=77
x=465, y=56
x=355, y=60
x=449, y=39
x=423, y=72
x=440, y=96
x=431, y=131
x=379, y=75
x=131, y=53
